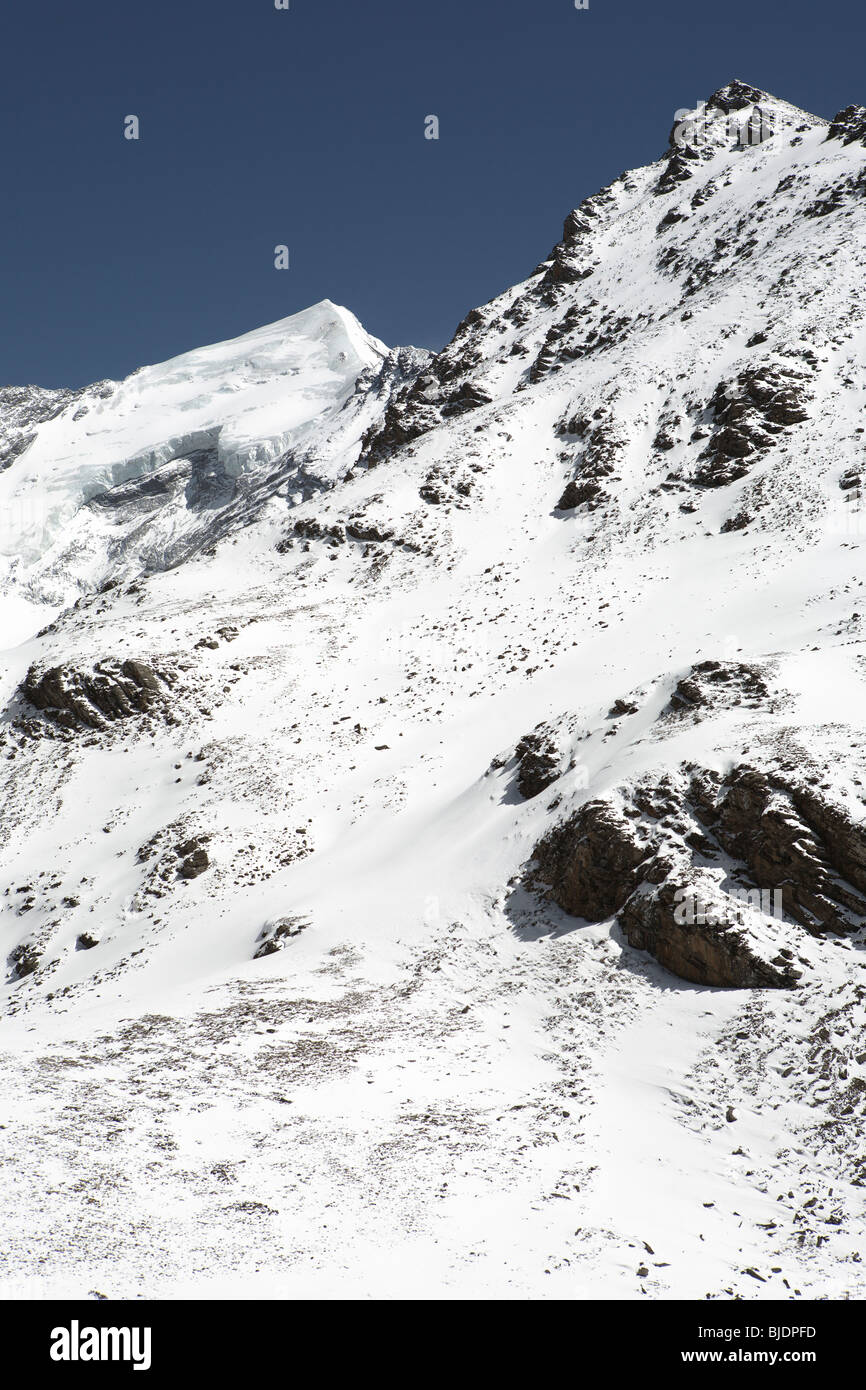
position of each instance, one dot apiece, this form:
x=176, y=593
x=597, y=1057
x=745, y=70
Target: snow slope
x=361, y=1052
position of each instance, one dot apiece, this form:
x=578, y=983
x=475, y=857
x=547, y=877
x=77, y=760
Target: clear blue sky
x=306, y=127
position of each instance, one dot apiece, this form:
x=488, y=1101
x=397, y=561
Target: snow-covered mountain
x=434, y=808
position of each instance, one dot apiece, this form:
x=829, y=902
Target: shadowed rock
x=94, y=699
x=645, y=862
x=538, y=763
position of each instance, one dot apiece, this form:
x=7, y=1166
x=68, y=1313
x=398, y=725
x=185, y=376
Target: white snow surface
x=443, y=1086
x=250, y=399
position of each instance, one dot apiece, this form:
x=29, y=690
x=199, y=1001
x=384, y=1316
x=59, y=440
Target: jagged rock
x=599, y=864
x=711, y=682
x=802, y=858
x=433, y=396
x=678, y=169
x=312, y=530
x=538, y=762
x=665, y=439
x=591, y=862
x=25, y=960
x=737, y=523
x=194, y=863
x=366, y=531
x=275, y=935
x=431, y=491
x=779, y=832
x=93, y=699
x=748, y=414
x=735, y=96
x=712, y=952
x=848, y=125
x=469, y=396
x=576, y=494
x=571, y=260
x=670, y=219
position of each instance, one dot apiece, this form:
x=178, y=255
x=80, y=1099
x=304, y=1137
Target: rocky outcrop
x=25, y=960
x=538, y=763
x=849, y=125
x=579, y=493
x=795, y=841
x=710, y=684
x=748, y=414
x=735, y=96
x=602, y=449
x=95, y=699
x=194, y=858
x=591, y=862
x=708, y=874
x=276, y=935
x=712, y=949
x=572, y=260
x=442, y=392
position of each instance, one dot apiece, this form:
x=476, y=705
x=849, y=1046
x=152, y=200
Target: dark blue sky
x=306, y=127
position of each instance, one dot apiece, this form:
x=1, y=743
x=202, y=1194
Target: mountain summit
x=434, y=783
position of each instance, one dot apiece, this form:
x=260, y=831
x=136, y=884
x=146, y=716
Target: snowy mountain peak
x=735, y=116
x=193, y=425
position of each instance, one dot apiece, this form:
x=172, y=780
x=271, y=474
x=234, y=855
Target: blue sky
x=305, y=127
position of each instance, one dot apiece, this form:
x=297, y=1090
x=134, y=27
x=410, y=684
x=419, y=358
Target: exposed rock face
x=276, y=935
x=198, y=481
x=848, y=125
x=716, y=124
x=571, y=260
x=713, y=683
x=678, y=169
x=538, y=761
x=716, y=951
x=193, y=856
x=646, y=861
x=194, y=864
x=738, y=115
x=602, y=448
x=735, y=96
x=437, y=394
x=94, y=699
x=578, y=494
x=793, y=840
x=748, y=415
x=591, y=862
x=453, y=381
x=25, y=960
x=622, y=707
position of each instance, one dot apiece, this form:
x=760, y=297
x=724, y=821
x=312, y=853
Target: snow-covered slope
x=350, y=842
